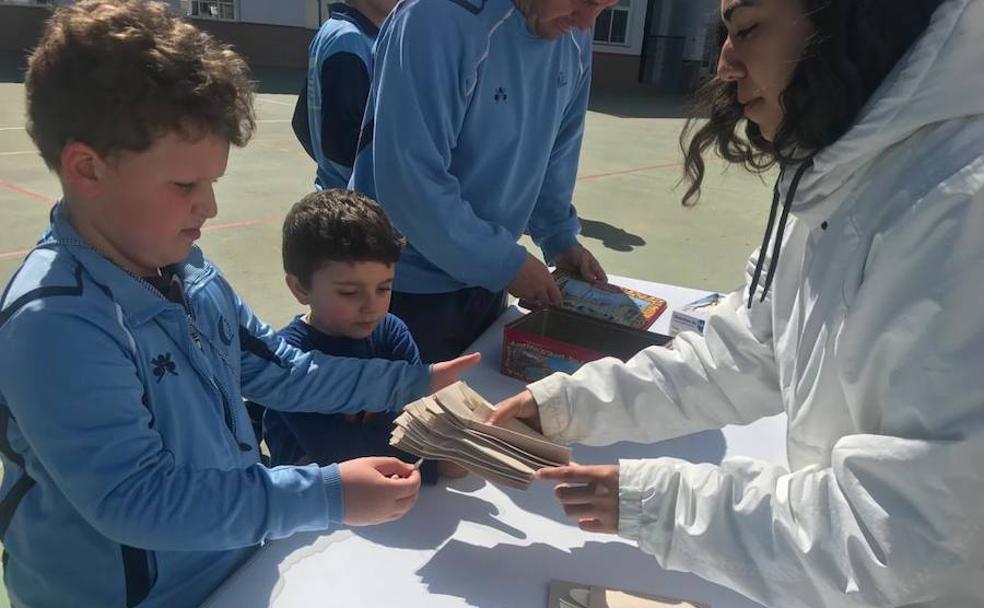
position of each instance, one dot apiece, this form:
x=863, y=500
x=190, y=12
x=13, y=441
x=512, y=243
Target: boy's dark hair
x=117, y=75
x=337, y=226
x=853, y=47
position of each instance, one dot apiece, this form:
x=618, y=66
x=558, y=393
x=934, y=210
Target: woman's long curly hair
x=854, y=45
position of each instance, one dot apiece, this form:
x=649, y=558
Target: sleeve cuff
x=557, y=244
x=419, y=387
x=550, y=395
x=331, y=479
x=509, y=269
x=645, y=515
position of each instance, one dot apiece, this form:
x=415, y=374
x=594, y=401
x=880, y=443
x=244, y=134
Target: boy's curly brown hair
x=117, y=75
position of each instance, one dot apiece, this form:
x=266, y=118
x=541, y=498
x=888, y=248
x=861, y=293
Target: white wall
x=298, y=13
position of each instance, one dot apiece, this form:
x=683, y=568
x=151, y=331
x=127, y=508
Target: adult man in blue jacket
x=472, y=136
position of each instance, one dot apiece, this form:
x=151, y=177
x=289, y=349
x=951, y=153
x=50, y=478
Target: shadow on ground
x=612, y=237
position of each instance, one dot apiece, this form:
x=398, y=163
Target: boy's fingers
x=406, y=502
x=388, y=467
x=408, y=487
x=452, y=369
x=470, y=360
x=403, y=488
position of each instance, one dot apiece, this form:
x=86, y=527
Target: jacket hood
x=938, y=79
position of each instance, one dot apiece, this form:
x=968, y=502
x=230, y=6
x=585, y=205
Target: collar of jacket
x=138, y=300
x=346, y=12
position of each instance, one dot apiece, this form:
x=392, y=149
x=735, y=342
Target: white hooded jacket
x=871, y=340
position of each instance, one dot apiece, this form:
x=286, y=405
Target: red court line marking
x=31, y=193
x=273, y=219
x=230, y=226
x=627, y=171
x=14, y=254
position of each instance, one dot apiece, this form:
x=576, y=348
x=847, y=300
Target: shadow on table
x=262, y=585
x=419, y=529
x=513, y=575
x=708, y=446
x=507, y=572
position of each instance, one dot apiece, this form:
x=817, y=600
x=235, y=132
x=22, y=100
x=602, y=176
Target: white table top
x=469, y=543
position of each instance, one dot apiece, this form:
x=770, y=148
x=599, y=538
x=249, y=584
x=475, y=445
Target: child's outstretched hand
x=378, y=489
x=446, y=373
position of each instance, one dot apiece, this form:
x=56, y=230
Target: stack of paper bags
x=450, y=425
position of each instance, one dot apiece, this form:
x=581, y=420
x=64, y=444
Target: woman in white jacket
x=862, y=320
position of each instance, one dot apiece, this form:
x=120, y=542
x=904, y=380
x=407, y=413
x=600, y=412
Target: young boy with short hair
x=130, y=473
x=339, y=255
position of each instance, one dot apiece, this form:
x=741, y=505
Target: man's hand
x=446, y=373
x=581, y=262
x=534, y=283
x=588, y=494
x=377, y=490
x=522, y=407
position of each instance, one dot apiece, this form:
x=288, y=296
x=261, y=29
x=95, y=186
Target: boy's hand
x=588, y=494
x=534, y=283
x=446, y=373
x=582, y=262
x=377, y=490
x=522, y=407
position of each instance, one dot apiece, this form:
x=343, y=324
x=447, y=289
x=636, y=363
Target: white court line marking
x=18, y=153
x=12, y=129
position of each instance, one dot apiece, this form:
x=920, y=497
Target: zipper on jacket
x=197, y=336
x=230, y=419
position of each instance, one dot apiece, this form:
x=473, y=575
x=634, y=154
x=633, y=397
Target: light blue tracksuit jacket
x=131, y=473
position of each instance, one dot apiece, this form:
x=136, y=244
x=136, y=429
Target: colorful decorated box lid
x=608, y=302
